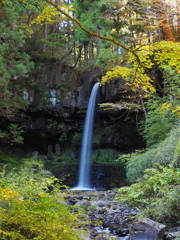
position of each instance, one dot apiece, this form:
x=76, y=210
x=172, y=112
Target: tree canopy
x=146, y=53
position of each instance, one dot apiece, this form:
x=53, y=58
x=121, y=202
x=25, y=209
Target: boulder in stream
x=146, y=229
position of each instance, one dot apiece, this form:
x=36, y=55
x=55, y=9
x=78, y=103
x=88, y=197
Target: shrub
x=30, y=211
x=157, y=194
x=161, y=118
x=165, y=153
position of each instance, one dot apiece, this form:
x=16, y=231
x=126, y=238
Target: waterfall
x=85, y=160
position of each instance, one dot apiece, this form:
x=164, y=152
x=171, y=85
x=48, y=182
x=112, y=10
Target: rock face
x=58, y=97
x=60, y=89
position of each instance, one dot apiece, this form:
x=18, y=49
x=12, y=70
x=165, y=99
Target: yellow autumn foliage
x=7, y=193
x=140, y=61
x=50, y=15
x=46, y=16
x=176, y=110
x=165, y=106
x=29, y=211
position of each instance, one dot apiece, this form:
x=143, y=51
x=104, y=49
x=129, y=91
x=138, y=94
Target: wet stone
x=115, y=221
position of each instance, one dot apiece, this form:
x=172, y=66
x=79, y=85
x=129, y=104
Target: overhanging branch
x=113, y=40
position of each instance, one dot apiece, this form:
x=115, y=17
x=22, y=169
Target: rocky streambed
x=109, y=220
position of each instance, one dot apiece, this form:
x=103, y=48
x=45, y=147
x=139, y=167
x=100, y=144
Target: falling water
x=84, y=171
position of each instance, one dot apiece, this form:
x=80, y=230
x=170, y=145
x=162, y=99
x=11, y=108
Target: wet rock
x=113, y=227
x=173, y=235
x=115, y=220
x=86, y=197
x=71, y=200
x=85, y=204
x=122, y=232
x=94, y=233
x=102, y=210
x=101, y=203
x=146, y=229
x=105, y=224
x=80, y=197
x=35, y=154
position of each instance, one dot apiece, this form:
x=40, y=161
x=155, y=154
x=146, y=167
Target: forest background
x=137, y=40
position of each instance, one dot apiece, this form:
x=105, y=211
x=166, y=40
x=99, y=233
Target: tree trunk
x=164, y=24
x=178, y=20
x=86, y=53
x=166, y=30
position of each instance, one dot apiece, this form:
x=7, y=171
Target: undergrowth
x=156, y=194
x=31, y=206
x=155, y=174
x=165, y=153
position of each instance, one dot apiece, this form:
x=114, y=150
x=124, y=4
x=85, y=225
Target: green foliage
x=9, y=159
x=157, y=192
x=160, y=119
x=28, y=211
x=106, y=134
x=106, y=57
x=62, y=128
x=121, y=106
x=13, y=135
x=88, y=14
x=171, y=79
x=66, y=157
x=15, y=64
x=77, y=136
x=108, y=156
x=165, y=153
x=162, y=55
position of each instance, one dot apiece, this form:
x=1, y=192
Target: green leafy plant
x=18, y=64
x=156, y=193
x=171, y=79
x=108, y=156
x=106, y=57
x=30, y=209
x=13, y=135
x=160, y=55
x=165, y=153
x=160, y=119
x=61, y=127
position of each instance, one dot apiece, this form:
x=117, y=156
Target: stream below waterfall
x=109, y=220
x=106, y=217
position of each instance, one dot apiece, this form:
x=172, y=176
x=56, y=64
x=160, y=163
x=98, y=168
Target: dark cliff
x=58, y=97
